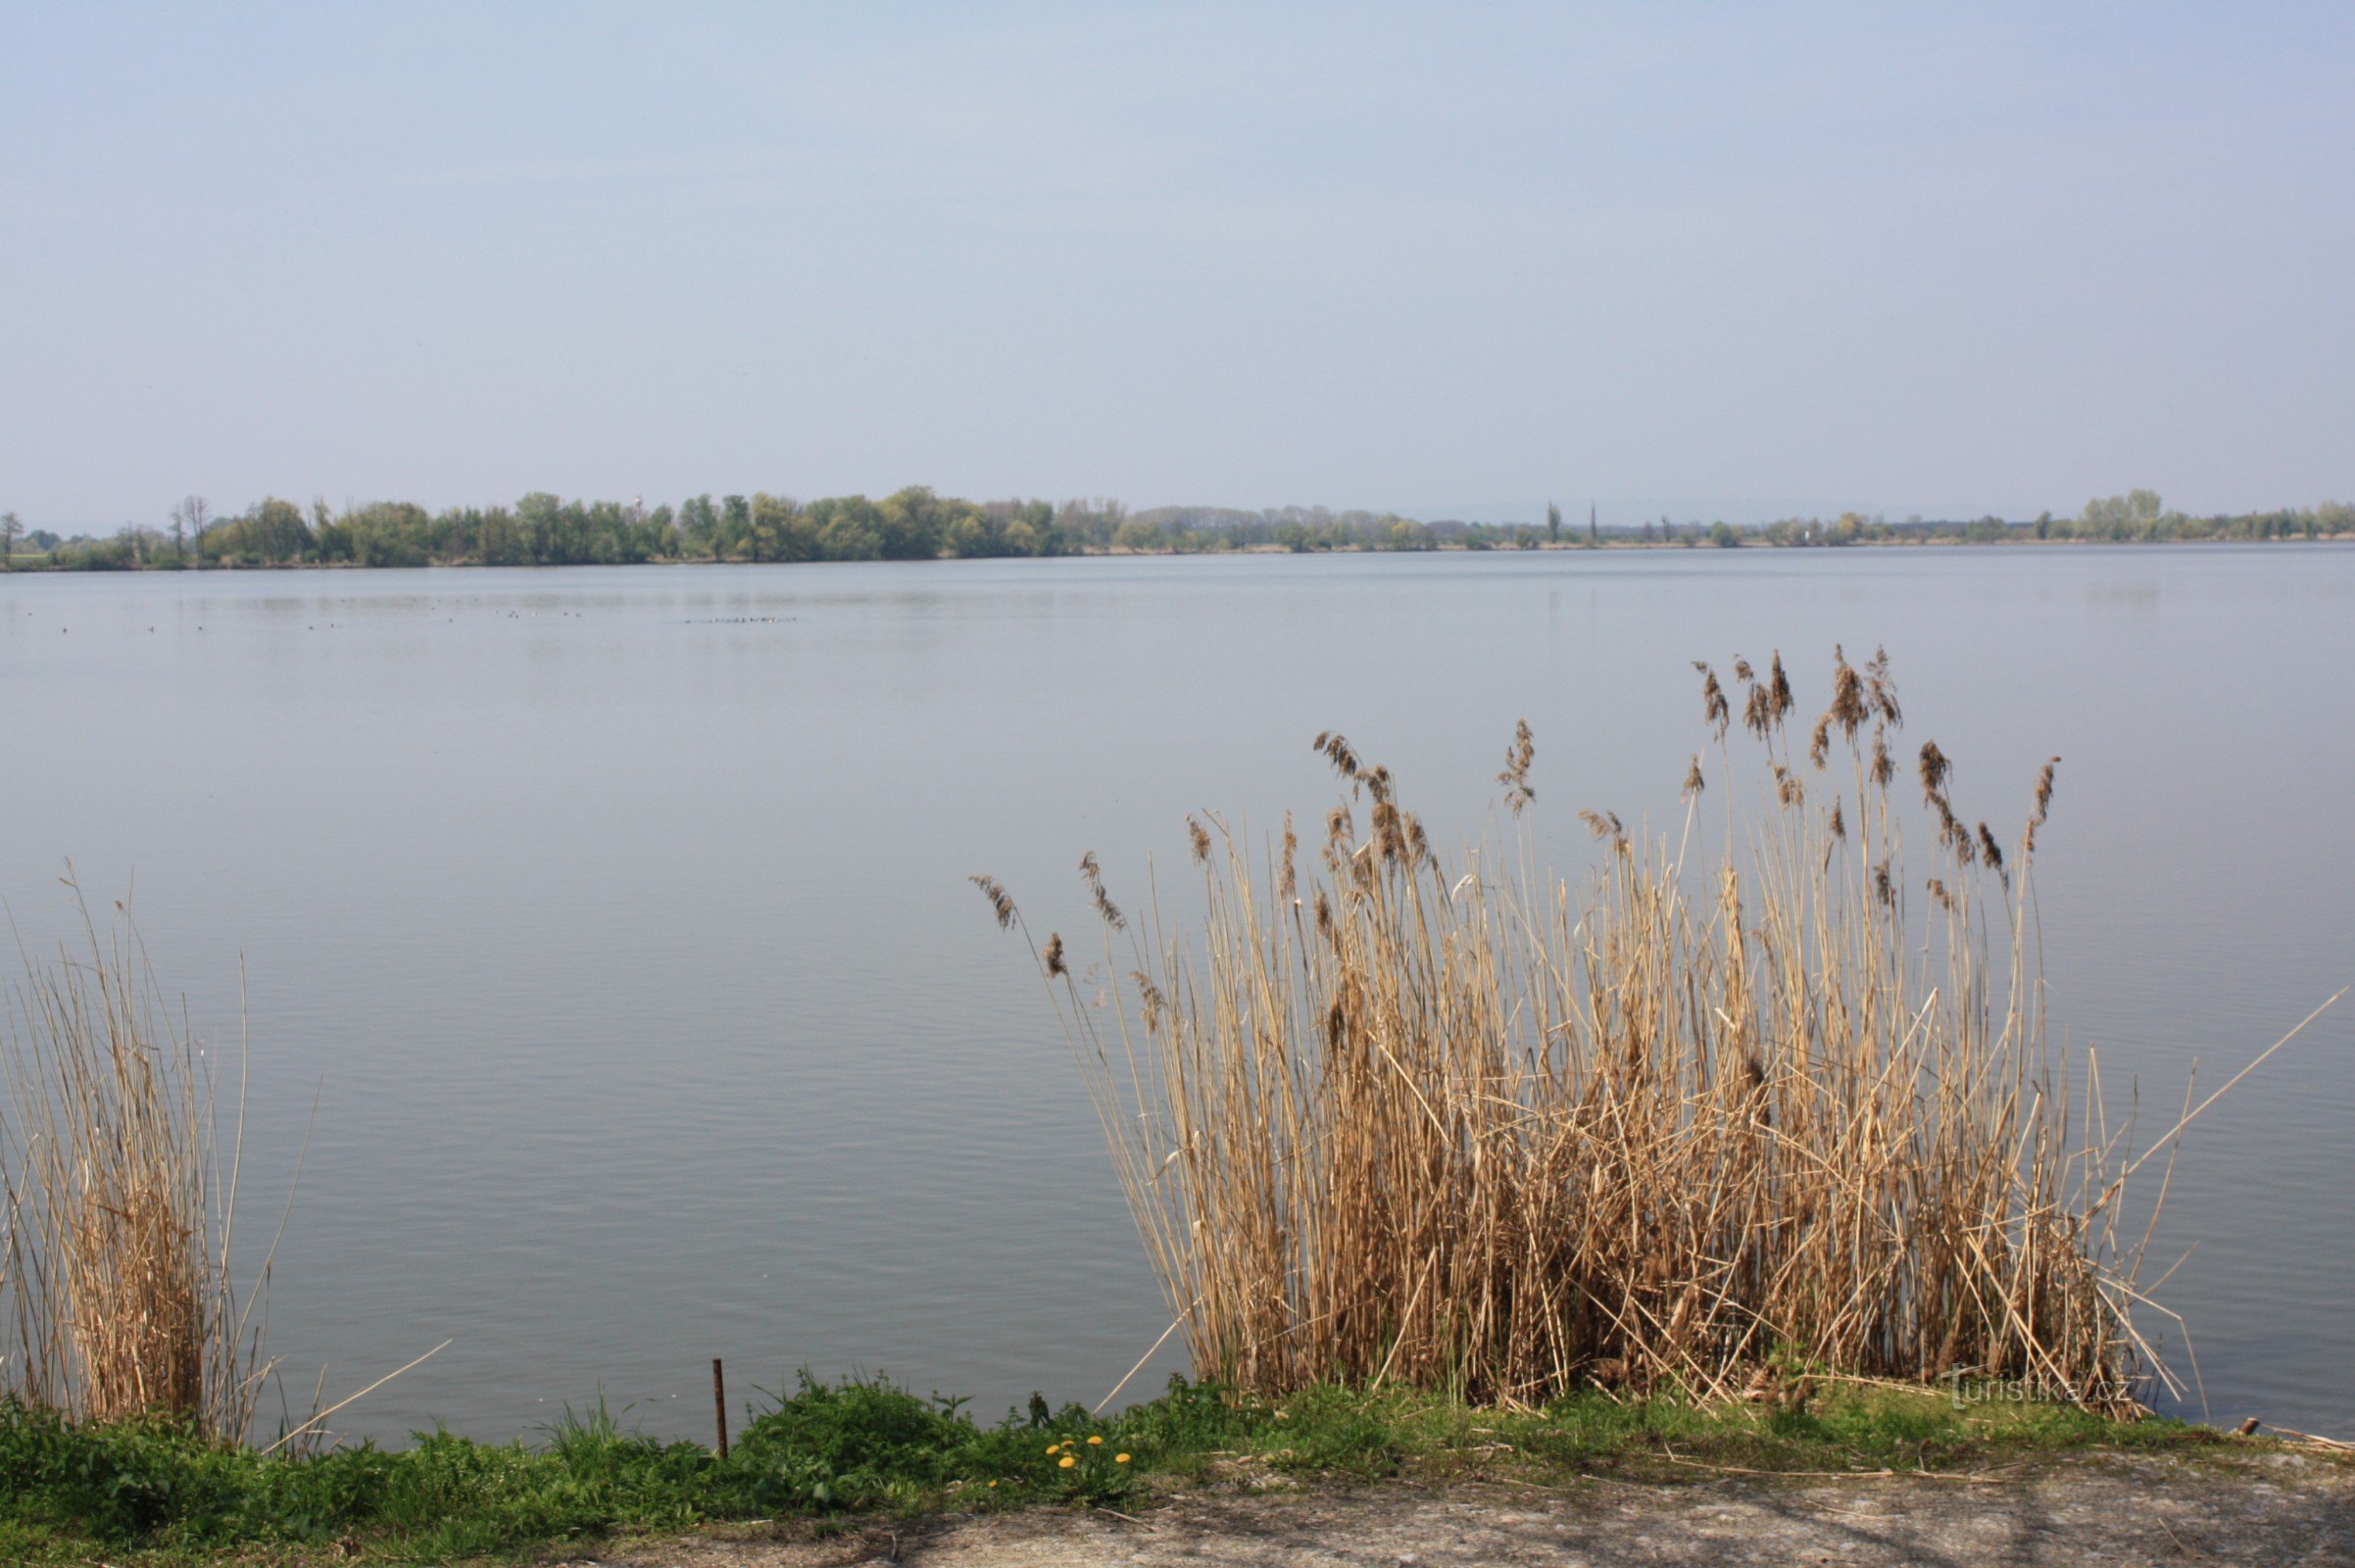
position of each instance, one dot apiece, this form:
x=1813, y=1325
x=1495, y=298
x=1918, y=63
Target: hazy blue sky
x=1910, y=258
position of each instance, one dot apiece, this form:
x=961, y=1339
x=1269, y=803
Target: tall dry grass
x=117, y=1201
x=1764, y=1091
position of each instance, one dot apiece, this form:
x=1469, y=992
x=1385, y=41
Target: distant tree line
x=916, y=524
x=2138, y=516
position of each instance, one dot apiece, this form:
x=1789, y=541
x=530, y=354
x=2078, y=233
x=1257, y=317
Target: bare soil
x=2270, y=1508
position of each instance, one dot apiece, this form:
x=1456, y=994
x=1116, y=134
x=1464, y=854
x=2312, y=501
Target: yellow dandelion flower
x=1053, y=1448
x=1118, y=1458
x=1065, y=1462
x=1096, y=1442
x=992, y=1486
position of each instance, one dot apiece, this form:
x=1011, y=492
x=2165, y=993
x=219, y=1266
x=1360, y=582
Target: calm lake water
x=617, y=922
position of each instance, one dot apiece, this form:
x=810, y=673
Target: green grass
x=155, y=1493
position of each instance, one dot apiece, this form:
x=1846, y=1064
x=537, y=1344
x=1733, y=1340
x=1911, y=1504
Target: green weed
x=158, y=1492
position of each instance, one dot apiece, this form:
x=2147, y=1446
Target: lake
x=615, y=919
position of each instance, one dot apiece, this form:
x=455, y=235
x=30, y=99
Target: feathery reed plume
x=1881, y=692
x=1288, y=883
x=1934, y=771
x=1002, y=904
x=1418, y=845
x=1714, y=712
x=1850, y=703
x=1992, y=852
x=1150, y=996
x=1335, y=750
x=1517, y=760
x=1199, y=838
x=1693, y=783
x=2036, y=818
x=1953, y=832
x=1510, y=1139
x=1105, y=907
x=1053, y=958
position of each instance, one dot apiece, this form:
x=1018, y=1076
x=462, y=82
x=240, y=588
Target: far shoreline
x=914, y=523
x=41, y=567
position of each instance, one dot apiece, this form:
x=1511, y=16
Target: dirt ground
x=2261, y=1507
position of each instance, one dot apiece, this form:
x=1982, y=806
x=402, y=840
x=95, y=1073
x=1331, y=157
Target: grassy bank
x=159, y=1493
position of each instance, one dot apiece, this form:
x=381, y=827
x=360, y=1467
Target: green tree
x=660, y=532
x=1554, y=522
x=735, y=526
x=848, y=528
x=1046, y=530
x=274, y=532
x=539, y=528
x=2134, y=514
x=11, y=530
x=778, y=530
x=974, y=534
x=387, y=533
x=699, y=525
x=914, y=521
x=501, y=540
x=331, y=541
x=188, y=521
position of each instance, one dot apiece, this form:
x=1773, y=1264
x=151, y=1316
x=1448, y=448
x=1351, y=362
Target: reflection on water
x=618, y=919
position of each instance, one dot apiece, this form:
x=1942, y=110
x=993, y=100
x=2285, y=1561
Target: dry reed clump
x=115, y=1236
x=1453, y=1125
